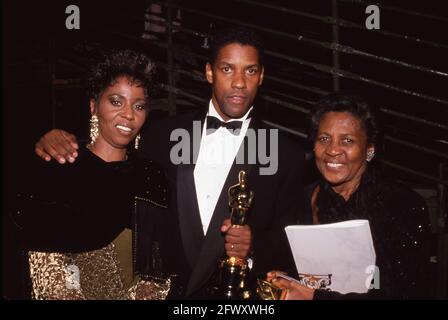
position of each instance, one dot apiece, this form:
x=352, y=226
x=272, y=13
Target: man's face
x=235, y=76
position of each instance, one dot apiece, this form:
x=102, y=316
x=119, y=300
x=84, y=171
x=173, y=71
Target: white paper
x=343, y=250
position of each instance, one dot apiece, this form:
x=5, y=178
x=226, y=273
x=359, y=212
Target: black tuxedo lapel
x=188, y=210
x=187, y=205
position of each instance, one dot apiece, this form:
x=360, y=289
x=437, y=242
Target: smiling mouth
x=333, y=165
x=124, y=129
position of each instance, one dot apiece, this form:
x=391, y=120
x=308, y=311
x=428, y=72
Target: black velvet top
x=84, y=205
x=399, y=222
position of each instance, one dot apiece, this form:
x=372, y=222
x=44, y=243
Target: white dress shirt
x=217, y=152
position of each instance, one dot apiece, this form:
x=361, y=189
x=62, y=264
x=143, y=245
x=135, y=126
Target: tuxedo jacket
x=278, y=201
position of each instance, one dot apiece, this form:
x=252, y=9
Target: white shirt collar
x=212, y=112
x=217, y=152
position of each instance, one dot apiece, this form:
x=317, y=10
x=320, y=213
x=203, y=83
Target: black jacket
x=277, y=202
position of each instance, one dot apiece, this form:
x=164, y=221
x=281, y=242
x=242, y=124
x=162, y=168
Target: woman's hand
x=294, y=290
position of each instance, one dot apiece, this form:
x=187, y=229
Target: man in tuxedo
x=202, y=154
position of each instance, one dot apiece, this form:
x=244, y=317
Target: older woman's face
x=340, y=149
x=121, y=113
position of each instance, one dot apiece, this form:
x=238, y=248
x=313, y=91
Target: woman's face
x=340, y=149
x=121, y=112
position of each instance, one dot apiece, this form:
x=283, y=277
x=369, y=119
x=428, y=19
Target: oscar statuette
x=232, y=270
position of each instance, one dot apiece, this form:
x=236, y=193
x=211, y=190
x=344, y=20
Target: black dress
x=80, y=226
x=399, y=222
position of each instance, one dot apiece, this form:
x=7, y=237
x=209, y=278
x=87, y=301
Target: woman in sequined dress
x=344, y=133
x=80, y=221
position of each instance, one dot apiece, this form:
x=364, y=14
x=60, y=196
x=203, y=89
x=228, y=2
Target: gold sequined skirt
x=92, y=275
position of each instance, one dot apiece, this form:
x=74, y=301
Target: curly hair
x=353, y=104
x=114, y=64
x=238, y=35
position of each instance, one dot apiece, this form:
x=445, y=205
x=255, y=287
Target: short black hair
x=117, y=63
x=354, y=104
x=240, y=35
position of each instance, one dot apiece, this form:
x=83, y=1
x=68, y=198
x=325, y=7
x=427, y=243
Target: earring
x=94, y=128
x=137, y=141
x=370, y=155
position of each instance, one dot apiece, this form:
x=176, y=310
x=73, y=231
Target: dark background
x=43, y=66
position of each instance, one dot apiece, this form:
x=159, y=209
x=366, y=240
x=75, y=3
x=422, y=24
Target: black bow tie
x=214, y=124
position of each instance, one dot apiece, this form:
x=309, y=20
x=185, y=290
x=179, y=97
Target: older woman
x=78, y=219
x=344, y=132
